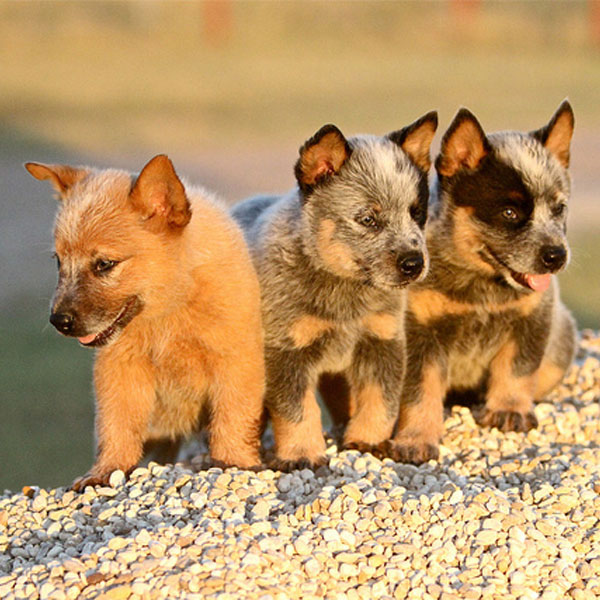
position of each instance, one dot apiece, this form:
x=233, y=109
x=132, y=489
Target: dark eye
x=103, y=265
x=417, y=213
x=559, y=210
x=510, y=214
x=57, y=261
x=367, y=221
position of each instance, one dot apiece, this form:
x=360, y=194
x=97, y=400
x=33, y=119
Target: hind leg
x=509, y=401
x=559, y=354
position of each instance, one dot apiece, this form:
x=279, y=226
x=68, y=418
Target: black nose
x=553, y=257
x=411, y=264
x=63, y=322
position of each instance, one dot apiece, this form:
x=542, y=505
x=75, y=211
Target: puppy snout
x=553, y=257
x=63, y=321
x=411, y=264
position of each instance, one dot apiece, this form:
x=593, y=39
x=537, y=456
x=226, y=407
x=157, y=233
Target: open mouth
x=532, y=281
x=131, y=308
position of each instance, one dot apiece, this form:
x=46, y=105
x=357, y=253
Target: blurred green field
x=230, y=90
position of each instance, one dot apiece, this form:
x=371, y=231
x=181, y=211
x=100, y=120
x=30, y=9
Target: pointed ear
x=556, y=135
x=464, y=145
x=415, y=139
x=321, y=156
x=62, y=177
x=159, y=196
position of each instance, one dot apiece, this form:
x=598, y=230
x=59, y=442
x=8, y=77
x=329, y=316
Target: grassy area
x=46, y=430
x=579, y=285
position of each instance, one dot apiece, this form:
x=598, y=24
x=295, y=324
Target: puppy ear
x=415, y=139
x=464, y=145
x=62, y=177
x=321, y=156
x=159, y=195
x=556, y=135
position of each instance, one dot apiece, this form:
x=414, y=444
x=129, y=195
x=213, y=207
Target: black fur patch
x=489, y=190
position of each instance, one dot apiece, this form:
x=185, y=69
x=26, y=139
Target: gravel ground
x=502, y=516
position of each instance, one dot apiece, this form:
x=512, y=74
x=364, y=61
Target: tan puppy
x=156, y=276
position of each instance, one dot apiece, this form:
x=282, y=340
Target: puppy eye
x=367, y=221
x=103, y=265
x=559, y=210
x=57, y=260
x=510, y=214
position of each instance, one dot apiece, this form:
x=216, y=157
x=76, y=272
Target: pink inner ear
x=325, y=168
x=158, y=199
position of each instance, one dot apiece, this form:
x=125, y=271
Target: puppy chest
x=470, y=350
x=182, y=385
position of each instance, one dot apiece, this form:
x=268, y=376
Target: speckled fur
x=474, y=330
x=333, y=294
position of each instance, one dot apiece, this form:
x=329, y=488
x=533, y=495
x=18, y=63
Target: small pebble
x=503, y=515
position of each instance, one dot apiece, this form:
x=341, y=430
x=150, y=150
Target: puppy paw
x=278, y=464
x=507, y=420
x=92, y=479
x=415, y=453
x=362, y=447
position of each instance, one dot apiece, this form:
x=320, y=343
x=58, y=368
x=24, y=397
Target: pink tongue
x=87, y=339
x=538, y=283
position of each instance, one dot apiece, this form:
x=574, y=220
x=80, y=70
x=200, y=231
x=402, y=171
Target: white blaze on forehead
x=541, y=172
x=387, y=166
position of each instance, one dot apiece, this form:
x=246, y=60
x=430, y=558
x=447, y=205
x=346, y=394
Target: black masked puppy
x=488, y=320
x=334, y=257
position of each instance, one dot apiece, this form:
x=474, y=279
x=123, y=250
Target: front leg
x=236, y=412
x=509, y=399
x=375, y=378
x=292, y=405
x=421, y=416
x=125, y=393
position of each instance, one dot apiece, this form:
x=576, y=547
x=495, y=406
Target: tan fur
x=385, y=326
x=505, y=391
x=428, y=305
x=336, y=255
x=369, y=420
x=464, y=148
x=422, y=423
x=559, y=138
x=295, y=441
x=549, y=376
x=467, y=242
x=325, y=157
x=198, y=337
x=307, y=329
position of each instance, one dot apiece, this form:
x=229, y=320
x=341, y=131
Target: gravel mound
x=501, y=516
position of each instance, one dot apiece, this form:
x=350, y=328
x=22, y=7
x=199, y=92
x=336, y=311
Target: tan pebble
x=302, y=548
x=117, y=543
x=401, y=590
x=348, y=557
x=352, y=490
x=486, y=537
x=312, y=567
x=157, y=549
x=121, y=592
x=375, y=560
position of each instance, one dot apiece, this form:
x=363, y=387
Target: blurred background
x=230, y=90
